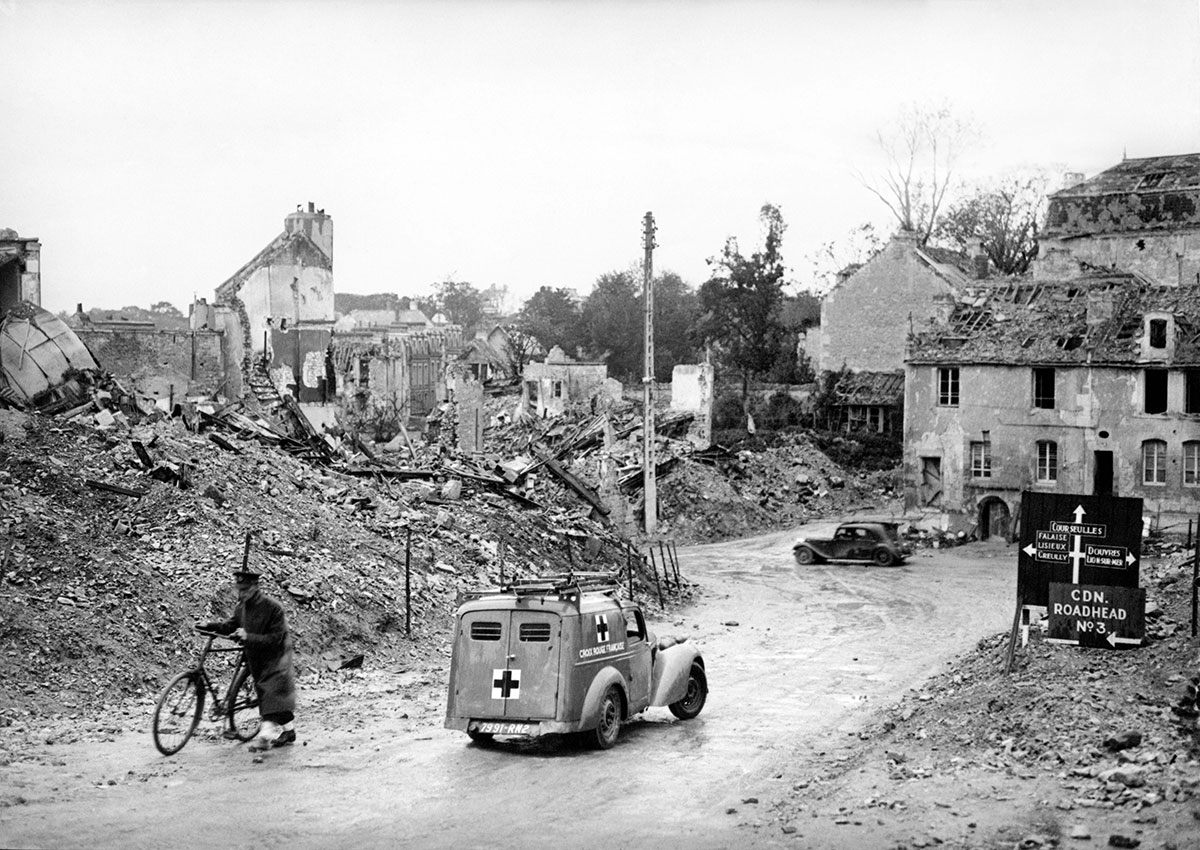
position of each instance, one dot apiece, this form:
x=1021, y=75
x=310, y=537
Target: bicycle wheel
x=242, y=702
x=177, y=713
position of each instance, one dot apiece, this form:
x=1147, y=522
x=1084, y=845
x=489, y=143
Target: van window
x=534, y=632
x=635, y=627
x=481, y=630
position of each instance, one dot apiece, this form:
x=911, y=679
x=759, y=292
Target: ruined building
x=20, y=270
x=866, y=319
x=277, y=315
x=1141, y=215
x=1089, y=386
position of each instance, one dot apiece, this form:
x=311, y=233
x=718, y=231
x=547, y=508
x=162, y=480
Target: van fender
x=672, y=665
x=595, y=692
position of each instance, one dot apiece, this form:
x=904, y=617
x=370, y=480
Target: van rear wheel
x=609, y=725
x=481, y=738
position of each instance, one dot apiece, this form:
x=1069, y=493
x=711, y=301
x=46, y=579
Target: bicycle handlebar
x=207, y=633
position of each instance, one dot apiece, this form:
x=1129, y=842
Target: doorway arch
x=995, y=520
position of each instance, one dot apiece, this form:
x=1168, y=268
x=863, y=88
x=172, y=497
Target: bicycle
x=181, y=703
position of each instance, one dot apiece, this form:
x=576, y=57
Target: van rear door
x=508, y=664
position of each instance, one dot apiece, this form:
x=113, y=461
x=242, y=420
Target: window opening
x=1158, y=333
x=1191, y=391
x=981, y=458
x=1154, y=462
x=1191, y=463
x=948, y=386
x=1043, y=388
x=1156, y=391
x=1047, y=460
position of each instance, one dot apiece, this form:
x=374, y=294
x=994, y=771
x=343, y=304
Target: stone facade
x=281, y=304
x=559, y=381
x=1088, y=386
x=866, y=318
x=1142, y=216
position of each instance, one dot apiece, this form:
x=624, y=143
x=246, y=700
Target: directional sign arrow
x=1079, y=512
x=1113, y=640
x=1129, y=559
x=1030, y=550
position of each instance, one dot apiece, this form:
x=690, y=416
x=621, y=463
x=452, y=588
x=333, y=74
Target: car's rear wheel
x=693, y=700
x=883, y=557
x=804, y=556
x=609, y=725
x=481, y=738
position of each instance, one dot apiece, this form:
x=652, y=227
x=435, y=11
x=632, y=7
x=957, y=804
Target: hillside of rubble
x=118, y=532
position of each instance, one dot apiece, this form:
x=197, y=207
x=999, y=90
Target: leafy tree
x=520, y=348
x=676, y=309
x=551, y=317
x=612, y=324
x=166, y=308
x=1002, y=217
x=922, y=146
x=740, y=304
x=460, y=301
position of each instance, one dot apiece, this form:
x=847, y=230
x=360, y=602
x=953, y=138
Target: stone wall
x=866, y=319
x=1097, y=410
x=161, y=364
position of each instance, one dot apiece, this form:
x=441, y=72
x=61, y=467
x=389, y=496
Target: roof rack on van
x=556, y=584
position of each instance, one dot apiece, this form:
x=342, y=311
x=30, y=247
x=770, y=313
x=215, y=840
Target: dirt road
x=799, y=659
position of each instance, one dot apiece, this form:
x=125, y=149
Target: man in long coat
x=259, y=622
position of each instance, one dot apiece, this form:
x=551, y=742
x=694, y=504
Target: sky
x=154, y=148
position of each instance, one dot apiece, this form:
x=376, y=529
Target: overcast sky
x=156, y=147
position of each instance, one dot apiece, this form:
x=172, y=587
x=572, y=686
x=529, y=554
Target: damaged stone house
x=1141, y=215
x=1089, y=386
x=387, y=379
x=276, y=314
x=1082, y=377
x=866, y=319
x=554, y=383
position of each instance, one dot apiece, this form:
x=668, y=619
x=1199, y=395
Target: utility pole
x=649, y=480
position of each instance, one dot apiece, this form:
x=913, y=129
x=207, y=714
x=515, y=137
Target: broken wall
x=161, y=364
x=20, y=270
x=692, y=392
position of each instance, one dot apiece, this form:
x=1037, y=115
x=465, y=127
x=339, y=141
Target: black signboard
x=1077, y=540
x=1098, y=616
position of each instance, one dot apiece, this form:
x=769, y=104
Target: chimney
x=1072, y=178
x=317, y=226
x=980, y=260
x=1100, y=306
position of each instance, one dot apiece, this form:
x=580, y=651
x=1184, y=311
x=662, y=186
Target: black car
x=877, y=542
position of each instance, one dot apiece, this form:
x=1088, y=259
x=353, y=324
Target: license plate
x=493, y=728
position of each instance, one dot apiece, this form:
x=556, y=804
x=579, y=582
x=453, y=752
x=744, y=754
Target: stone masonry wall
x=160, y=364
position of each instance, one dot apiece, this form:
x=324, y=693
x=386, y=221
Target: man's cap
x=246, y=575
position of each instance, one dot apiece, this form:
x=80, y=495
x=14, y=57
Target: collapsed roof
x=43, y=364
x=1097, y=319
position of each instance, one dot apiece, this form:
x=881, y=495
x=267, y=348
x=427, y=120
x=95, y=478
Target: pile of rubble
x=119, y=526
x=115, y=540
x=1114, y=730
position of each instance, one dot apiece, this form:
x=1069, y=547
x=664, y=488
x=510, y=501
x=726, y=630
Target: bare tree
x=829, y=258
x=922, y=147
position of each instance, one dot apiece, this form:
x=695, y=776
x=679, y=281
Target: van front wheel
x=609, y=725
